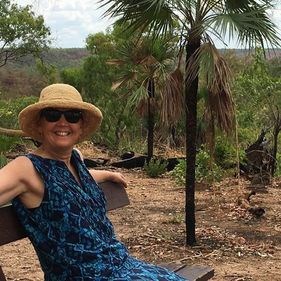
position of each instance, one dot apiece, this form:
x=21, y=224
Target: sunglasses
x=54, y=115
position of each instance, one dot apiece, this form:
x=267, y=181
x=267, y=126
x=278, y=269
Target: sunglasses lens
x=53, y=115
x=72, y=116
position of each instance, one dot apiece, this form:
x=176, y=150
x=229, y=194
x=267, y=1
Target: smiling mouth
x=62, y=134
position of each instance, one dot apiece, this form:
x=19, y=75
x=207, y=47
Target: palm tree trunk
x=150, y=120
x=191, y=131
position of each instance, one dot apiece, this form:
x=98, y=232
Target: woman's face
x=61, y=133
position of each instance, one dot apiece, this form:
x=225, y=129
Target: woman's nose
x=62, y=120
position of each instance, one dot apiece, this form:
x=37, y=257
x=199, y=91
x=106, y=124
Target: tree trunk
x=274, y=150
x=191, y=132
x=150, y=119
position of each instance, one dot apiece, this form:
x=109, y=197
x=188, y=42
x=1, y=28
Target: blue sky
x=71, y=21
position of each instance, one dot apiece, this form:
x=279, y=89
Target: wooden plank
x=197, y=272
x=115, y=194
x=191, y=272
x=10, y=227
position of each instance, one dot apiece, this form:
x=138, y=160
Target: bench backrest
x=11, y=229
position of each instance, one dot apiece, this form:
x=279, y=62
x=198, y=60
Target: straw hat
x=59, y=96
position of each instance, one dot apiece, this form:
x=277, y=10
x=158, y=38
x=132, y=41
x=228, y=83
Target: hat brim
x=29, y=117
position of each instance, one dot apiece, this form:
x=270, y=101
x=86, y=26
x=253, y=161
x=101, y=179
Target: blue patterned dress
x=71, y=233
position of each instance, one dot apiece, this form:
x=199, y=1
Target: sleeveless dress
x=71, y=234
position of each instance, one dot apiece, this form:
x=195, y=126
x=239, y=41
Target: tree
x=247, y=19
x=21, y=32
x=258, y=88
x=147, y=76
x=96, y=80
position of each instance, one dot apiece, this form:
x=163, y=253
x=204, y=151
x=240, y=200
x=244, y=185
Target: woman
x=57, y=198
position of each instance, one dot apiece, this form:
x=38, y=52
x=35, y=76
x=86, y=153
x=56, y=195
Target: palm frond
x=220, y=99
x=124, y=80
x=218, y=76
x=137, y=97
x=115, y=62
x=250, y=23
x=145, y=15
x=172, y=98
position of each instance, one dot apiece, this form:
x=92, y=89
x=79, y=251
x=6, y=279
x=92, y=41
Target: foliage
x=48, y=71
x=278, y=165
x=155, y=167
x=72, y=76
x=149, y=81
x=96, y=79
x=257, y=94
x=225, y=152
x=9, y=110
x=3, y=160
x=176, y=219
x=179, y=172
x=129, y=143
x=7, y=143
x=206, y=170
x=256, y=88
x=21, y=32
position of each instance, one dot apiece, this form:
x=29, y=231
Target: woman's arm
x=102, y=175
x=11, y=180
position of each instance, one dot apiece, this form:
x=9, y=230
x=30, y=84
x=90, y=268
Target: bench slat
x=191, y=272
x=196, y=272
x=11, y=229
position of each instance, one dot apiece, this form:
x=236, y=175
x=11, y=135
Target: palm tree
x=246, y=20
x=149, y=75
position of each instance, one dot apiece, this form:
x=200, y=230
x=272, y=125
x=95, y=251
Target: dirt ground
x=237, y=244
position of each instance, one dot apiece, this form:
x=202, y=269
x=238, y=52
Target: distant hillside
x=270, y=53
x=61, y=58
x=22, y=77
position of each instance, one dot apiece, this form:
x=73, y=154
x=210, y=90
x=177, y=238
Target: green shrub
x=278, y=165
x=9, y=110
x=129, y=143
x=155, y=167
x=205, y=171
x=178, y=172
x=3, y=160
x=7, y=143
x=177, y=219
x=225, y=152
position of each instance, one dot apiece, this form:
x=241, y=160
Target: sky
x=71, y=21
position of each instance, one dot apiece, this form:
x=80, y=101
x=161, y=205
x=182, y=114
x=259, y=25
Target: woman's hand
x=118, y=178
x=102, y=175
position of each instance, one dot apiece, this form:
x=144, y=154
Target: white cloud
x=71, y=21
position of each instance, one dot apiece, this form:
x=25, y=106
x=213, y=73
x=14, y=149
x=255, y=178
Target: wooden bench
x=11, y=230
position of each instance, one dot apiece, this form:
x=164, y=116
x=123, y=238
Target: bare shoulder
x=16, y=178
x=21, y=162
x=20, y=166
